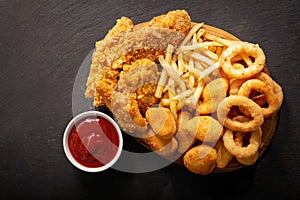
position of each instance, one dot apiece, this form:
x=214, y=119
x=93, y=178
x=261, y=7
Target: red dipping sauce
x=93, y=141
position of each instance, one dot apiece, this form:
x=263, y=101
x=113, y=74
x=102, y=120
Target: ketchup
x=93, y=141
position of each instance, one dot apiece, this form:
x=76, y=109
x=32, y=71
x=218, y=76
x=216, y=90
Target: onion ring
x=235, y=86
x=248, y=160
x=248, y=106
x=240, y=151
x=238, y=139
x=248, y=49
x=234, y=89
x=260, y=86
x=275, y=86
x=239, y=136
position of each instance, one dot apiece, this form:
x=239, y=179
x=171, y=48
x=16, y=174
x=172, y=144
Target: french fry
x=165, y=102
x=172, y=73
x=199, y=34
x=181, y=67
x=191, y=33
x=183, y=95
x=220, y=40
x=219, y=51
x=198, y=92
x=200, y=45
x=201, y=58
x=161, y=83
x=187, y=69
x=170, y=50
x=173, y=106
x=209, y=70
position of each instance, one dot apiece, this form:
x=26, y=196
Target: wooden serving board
x=268, y=127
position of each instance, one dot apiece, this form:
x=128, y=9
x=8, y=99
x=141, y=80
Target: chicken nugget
x=164, y=147
x=185, y=140
x=161, y=121
x=213, y=93
x=200, y=159
x=205, y=128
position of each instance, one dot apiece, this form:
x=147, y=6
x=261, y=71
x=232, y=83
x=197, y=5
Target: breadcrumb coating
x=152, y=43
x=123, y=24
x=178, y=20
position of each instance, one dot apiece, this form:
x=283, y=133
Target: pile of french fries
x=187, y=69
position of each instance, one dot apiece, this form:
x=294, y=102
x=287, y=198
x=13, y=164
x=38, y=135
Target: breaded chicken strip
x=111, y=75
x=150, y=42
x=178, y=20
x=123, y=24
x=127, y=102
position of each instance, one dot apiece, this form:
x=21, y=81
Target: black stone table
x=44, y=43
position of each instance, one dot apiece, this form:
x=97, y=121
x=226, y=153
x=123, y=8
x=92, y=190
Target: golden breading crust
x=123, y=24
x=111, y=75
x=178, y=20
x=143, y=43
x=161, y=121
x=164, y=147
x=127, y=101
x=151, y=41
x=205, y=128
x=200, y=159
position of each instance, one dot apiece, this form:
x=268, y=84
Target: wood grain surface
x=44, y=43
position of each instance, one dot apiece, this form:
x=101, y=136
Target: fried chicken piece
x=145, y=97
x=137, y=74
x=120, y=107
x=161, y=121
x=111, y=74
x=151, y=43
x=178, y=20
x=142, y=101
x=139, y=79
x=135, y=92
x=164, y=147
x=122, y=25
x=107, y=83
x=200, y=159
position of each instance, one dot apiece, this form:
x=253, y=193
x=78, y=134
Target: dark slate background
x=43, y=44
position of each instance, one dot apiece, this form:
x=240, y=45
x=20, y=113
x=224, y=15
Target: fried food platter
x=268, y=127
x=152, y=113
